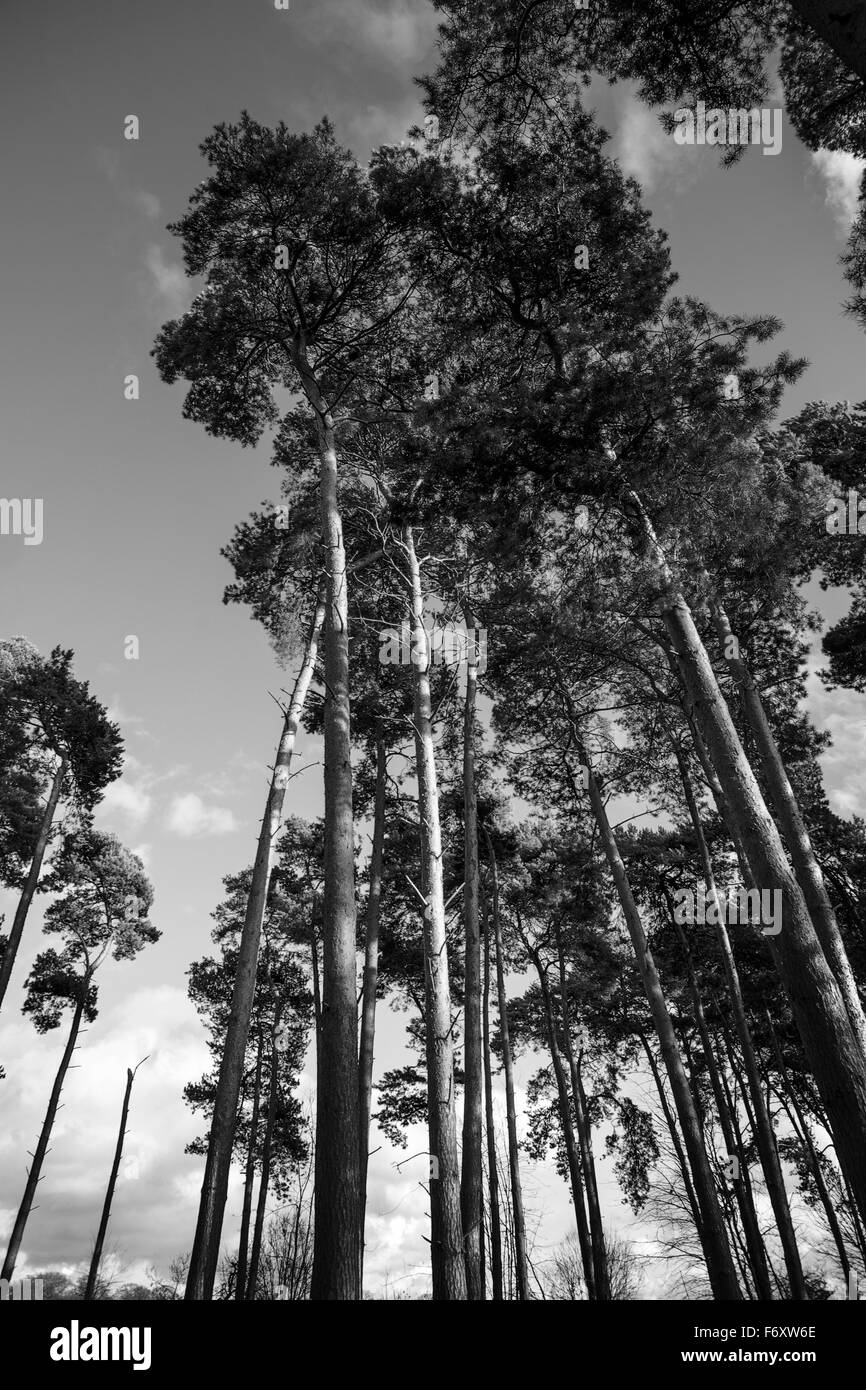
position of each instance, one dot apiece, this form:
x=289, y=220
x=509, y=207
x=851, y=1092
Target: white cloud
x=168, y=282
x=189, y=816
x=646, y=152
x=841, y=173
x=126, y=798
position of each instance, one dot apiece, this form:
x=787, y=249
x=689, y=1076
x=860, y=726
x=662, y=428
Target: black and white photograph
x=432, y=679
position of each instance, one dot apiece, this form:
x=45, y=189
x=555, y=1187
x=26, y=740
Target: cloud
x=127, y=798
x=189, y=817
x=400, y=31
x=148, y=203
x=841, y=174
x=648, y=153
x=155, y=1205
x=167, y=282
x=842, y=713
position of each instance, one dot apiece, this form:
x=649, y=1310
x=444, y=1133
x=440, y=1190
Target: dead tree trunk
x=93, y=1274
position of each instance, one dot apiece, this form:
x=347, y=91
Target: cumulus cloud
x=841, y=174
x=190, y=817
x=126, y=798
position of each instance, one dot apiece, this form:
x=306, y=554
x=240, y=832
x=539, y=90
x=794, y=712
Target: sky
x=138, y=502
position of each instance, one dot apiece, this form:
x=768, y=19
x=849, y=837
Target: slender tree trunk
x=337, y=1234
x=371, y=975
x=449, y=1267
x=492, y=1165
x=679, y=1151
x=249, y=1180
x=93, y=1275
x=520, y=1256
x=314, y=969
x=801, y=1128
x=208, y=1233
x=829, y=1041
x=599, y=1254
x=720, y=1267
x=14, y=939
x=577, y=1194
x=264, y=1178
x=792, y=826
x=764, y=1134
x=742, y=1187
x=35, y=1171
x=472, y=1177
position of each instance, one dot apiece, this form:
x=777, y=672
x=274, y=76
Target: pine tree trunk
x=676, y=1141
x=264, y=1178
x=764, y=1134
x=93, y=1274
x=492, y=1166
x=208, y=1233
x=584, y=1136
x=249, y=1180
x=800, y=1126
x=472, y=1177
x=520, y=1256
x=829, y=1041
x=577, y=1194
x=741, y=1186
x=720, y=1267
x=371, y=975
x=449, y=1267
x=793, y=828
x=35, y=1171
x=337, y=1234
x=14, y=939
